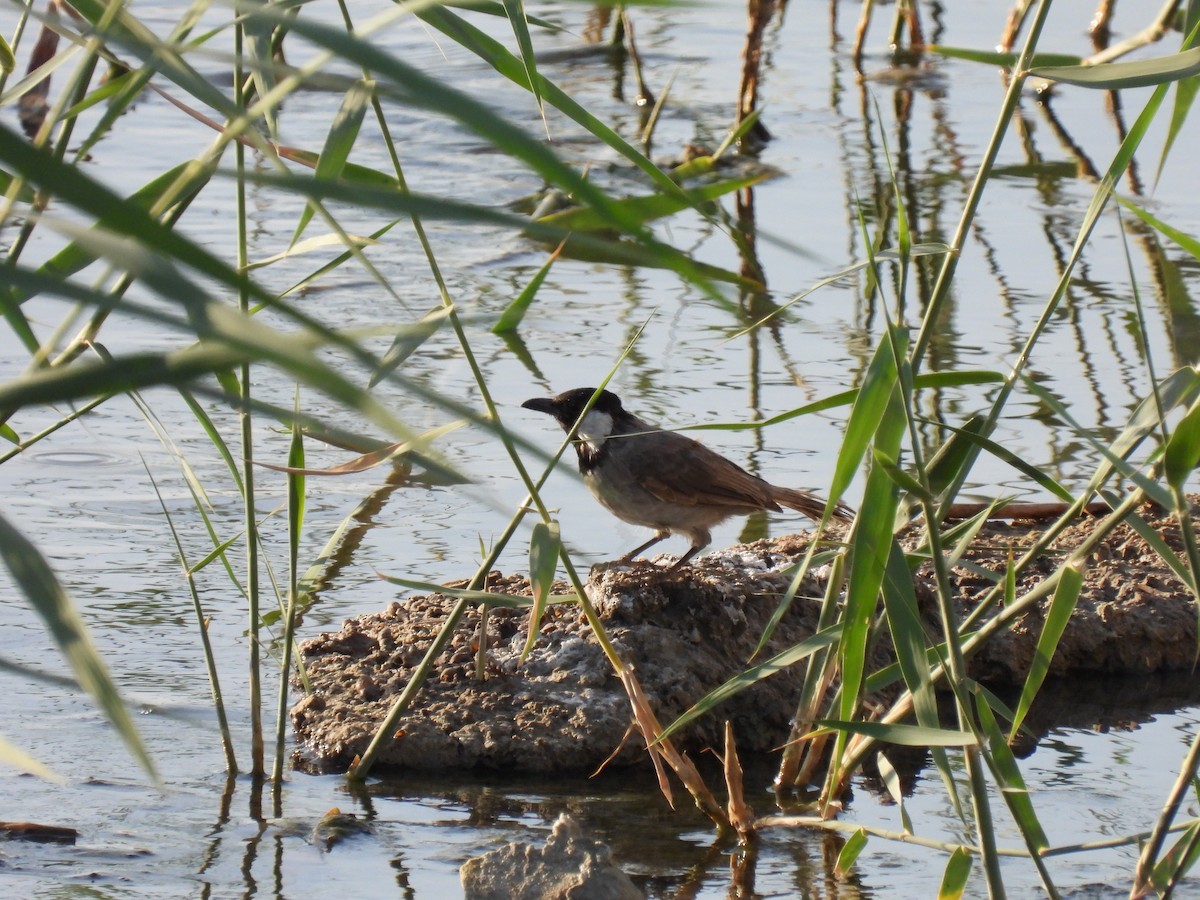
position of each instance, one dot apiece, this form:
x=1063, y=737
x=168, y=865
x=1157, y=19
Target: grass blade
x=512, y=68
x=652, y=206
x=338, y=143
x=1118, y=76
x=996, y=58
x=954, y=878
x=849, y=853
x=913, y=657
x=891, y=780
x=903, y=735
x=32, y=574
x=18, y=759
x=1062, y=604
x=1009, y=779
x=515, y=10
x=1176, y=862
x=743, y=680
x=511, y=601
x=515, y=311
x=544, y=546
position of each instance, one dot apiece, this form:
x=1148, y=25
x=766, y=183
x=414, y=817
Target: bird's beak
x=541, y=404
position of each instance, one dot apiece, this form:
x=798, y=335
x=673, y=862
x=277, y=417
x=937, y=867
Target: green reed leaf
x=1182, y=453
x=127, y=33
x=407, y=341
x=114, y=212
x=1178, y=860
x=16, y=758
x=295, y=486
x=579, y=246
x=870, y=404
x=848, y=855
x=503, y=61
x=997, y=58
x=1186, y=241
x=340, y=140
x=653, y=206
x=902, y=735
x=259, y=51
x=515, y=11
x=1185, y=97
x=891, y=781
x=415, y=87
x=1062, y=604
x=903, y=480
x=878, y=417
x=511, y=601
x=955, y=876
x=912, y=655
x=743, y=680
x=1120, y=75
x=33, y=576
x=1009, y=779
x=515, y=311
x=545, y=544
x=946, y=466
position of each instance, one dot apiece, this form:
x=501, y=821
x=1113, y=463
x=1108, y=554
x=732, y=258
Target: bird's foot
x=629, y=562
x=624, y=562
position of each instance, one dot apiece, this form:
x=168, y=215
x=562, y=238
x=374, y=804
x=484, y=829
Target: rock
x=569, y=867
x=563, y=710
x=1133, y=617
x=687, y=632
x=38, y=833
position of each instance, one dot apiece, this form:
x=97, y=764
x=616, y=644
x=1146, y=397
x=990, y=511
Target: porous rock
x=569, y=867
x=562, y=709
x=1133, y=617
x=685, y=633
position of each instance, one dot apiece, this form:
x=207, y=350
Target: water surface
x=85, y=497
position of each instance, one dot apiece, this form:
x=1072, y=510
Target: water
x=84, y=494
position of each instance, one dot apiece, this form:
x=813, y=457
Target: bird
x=660, y=479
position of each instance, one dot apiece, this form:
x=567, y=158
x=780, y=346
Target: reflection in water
x=1097, y=336
x=828, y=126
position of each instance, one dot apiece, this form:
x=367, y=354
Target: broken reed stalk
x=741, y=816
x=648, y=724
x=907, y=15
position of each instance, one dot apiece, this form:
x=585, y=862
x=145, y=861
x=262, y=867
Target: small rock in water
x=38, y=833
x=569, y=865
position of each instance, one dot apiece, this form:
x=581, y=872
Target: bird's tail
x=809, y=504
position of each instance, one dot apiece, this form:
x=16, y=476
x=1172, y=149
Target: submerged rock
x=38, y=833
x=685, y=633
x=569, y=867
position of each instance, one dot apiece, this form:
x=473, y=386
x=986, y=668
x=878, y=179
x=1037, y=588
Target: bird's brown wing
x=690, y=474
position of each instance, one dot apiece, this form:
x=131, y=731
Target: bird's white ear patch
x=595, y=429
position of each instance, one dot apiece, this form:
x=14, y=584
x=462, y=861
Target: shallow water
x=85, y=496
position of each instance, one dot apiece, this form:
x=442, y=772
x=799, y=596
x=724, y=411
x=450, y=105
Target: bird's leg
x=641, y=548
x=701, y=538
x=696, y=548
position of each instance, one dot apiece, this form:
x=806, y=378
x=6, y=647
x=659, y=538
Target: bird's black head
x=568, y=406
